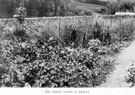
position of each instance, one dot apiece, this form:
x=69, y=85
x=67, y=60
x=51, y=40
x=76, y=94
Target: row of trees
x=36, y=7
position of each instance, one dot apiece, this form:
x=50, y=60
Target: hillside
x=87, y=6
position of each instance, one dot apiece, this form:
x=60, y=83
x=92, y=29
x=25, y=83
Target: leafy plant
x=130, y=77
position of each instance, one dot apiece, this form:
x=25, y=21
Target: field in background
x=87, y=6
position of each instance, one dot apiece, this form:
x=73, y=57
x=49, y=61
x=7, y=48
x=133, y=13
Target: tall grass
x=107, y=30
x=115, y=29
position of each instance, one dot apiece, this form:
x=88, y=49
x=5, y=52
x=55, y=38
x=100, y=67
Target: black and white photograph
x=67, y=44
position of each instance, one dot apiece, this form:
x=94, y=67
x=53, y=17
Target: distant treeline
x=38, y=8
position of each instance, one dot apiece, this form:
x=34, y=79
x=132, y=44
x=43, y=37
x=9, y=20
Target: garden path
x=125, y=58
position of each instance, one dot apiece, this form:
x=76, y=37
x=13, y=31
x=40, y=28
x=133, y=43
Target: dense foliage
x=43, y=62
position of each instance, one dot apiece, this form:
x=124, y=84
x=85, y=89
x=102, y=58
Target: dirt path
x=125, y=59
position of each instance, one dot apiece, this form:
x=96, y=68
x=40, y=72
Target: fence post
x=59, y=27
